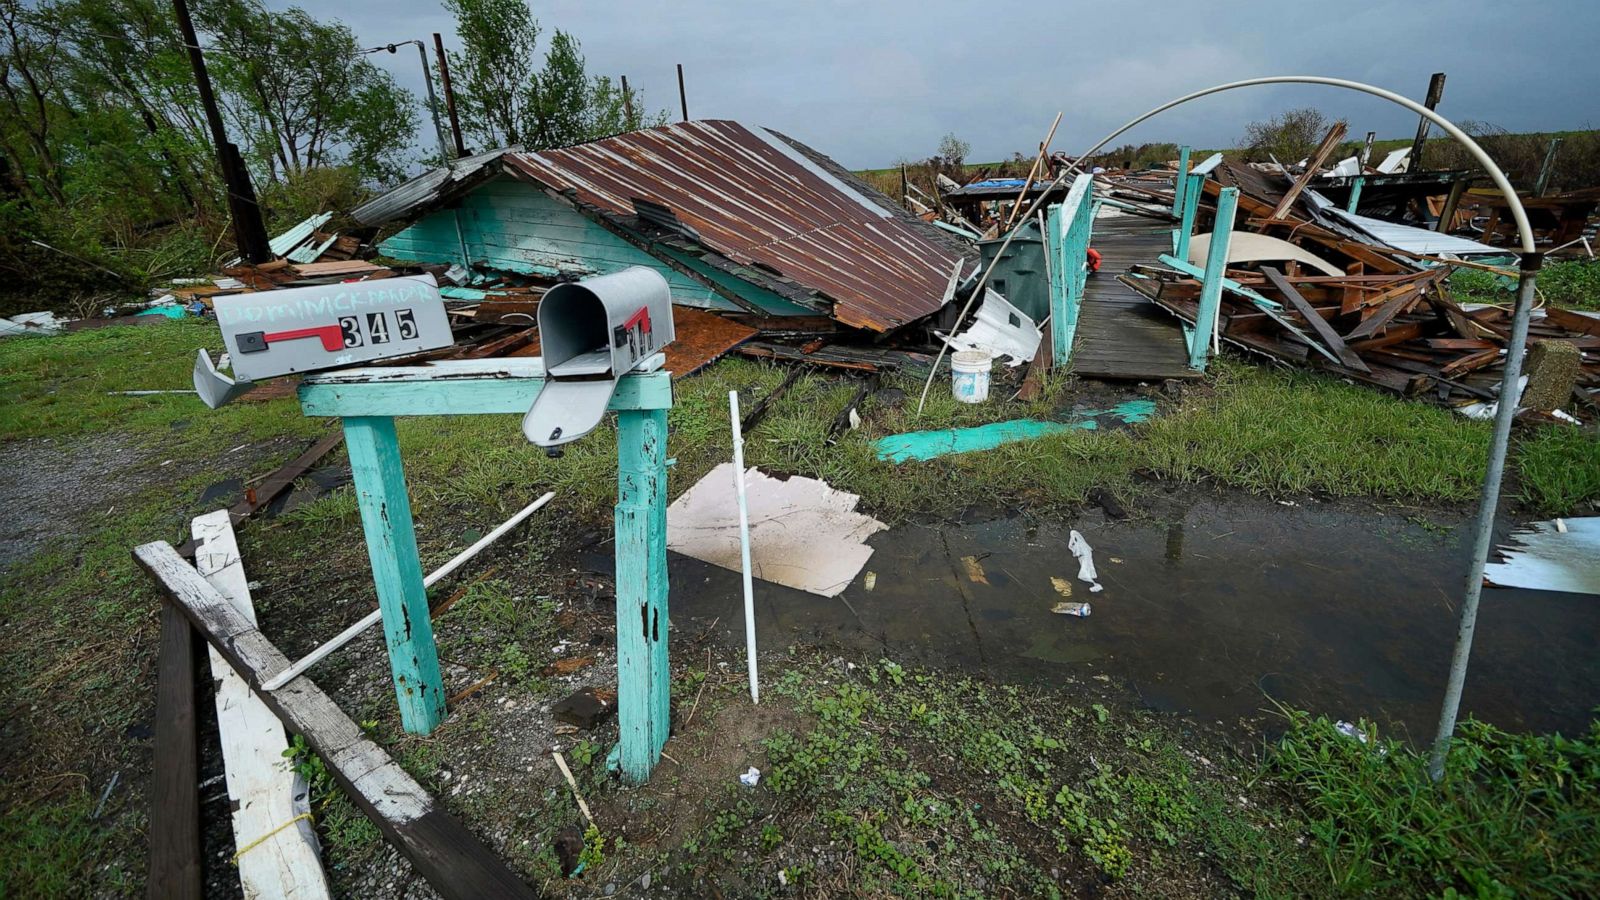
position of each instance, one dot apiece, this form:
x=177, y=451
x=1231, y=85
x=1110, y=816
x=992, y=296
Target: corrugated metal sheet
x=1407, y=237
x=428, y=188
x=760, y=205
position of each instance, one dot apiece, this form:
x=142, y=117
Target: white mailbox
x=591, y=333
x=272, y=333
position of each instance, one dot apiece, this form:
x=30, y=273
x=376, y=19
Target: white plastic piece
x=1080, y=548
x=744, y=547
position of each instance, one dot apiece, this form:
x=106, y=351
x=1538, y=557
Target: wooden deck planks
x=1121, y=335
x=175, y=785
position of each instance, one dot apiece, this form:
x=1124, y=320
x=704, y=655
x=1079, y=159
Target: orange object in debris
x=1094, y=260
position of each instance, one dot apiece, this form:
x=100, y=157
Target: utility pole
x=627, y=106
x=449, y=95
x=1435, y=94
x=248, y=230
x=683, y=98
x=433, y=102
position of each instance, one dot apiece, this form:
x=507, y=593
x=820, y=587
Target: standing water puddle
x=1240, y=602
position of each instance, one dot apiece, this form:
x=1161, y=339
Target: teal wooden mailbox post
x=368, y=400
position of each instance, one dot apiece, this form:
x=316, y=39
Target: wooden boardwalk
x=1121, y=335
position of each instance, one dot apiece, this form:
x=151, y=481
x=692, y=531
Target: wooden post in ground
x=174, y=787
x=1205, y=320
x=1435, y=94
x=644, y=697
x=380, y=485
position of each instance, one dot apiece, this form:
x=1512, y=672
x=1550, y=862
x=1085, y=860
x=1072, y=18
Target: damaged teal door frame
x=1205, y=319
x=1192, y=190
x=1180, y=181
x=1068, y=229
x=368, y=400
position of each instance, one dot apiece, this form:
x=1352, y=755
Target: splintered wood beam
x=760, y=410
x=1314, y=319
x=174, y=788
x=1329, y=142
x=1385, y=314
x=1472, y=362
x=442, y=851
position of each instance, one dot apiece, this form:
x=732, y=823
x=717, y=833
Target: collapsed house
x=739, y=219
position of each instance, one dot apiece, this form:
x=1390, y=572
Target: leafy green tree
x=1287, y=137
x=495, y=71
x=504, y=96
x=304, y=95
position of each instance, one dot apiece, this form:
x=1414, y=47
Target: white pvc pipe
x=744, y=547
x=327, y=648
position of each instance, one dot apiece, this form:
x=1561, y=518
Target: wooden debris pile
x=1389, y=321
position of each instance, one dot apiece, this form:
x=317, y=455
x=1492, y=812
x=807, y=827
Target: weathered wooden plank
x=380, y=485
x=1329, y=142
x=419, y=391
x=278, y=854
x=455, y=863
x=174, y=786
x=1211, y=282
x=275, y=484
x=1314, y=319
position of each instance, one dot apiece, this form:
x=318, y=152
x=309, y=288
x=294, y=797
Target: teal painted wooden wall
x=511, y=226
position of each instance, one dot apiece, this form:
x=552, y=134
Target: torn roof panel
x=429, y=188
x=755, y=198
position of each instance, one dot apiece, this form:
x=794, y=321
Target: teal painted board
x=1191, y=207
x=1356, y=184
x=1070, y=225
x=643, y=677
x=1058, y=284
x=1205, y=320
x=425, y=395
x=380, y=486
x=920, y=445
x=1180, y=180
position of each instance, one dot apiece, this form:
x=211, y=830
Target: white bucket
x=969, y=376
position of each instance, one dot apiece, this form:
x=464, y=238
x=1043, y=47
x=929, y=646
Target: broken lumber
x=1314, y=319
x=278, y=854
x=442, y=851
x=175, y=784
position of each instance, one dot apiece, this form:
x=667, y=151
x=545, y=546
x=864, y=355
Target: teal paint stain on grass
x=921, y=445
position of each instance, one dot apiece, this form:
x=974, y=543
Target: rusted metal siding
x=760, y=206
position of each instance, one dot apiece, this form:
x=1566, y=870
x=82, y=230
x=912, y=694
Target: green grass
x=59, y=386
x=77, y=654
x=1516, y=815
x=1570, y=283
x=949, y=787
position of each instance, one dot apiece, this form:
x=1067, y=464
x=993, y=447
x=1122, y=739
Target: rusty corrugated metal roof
x=754, y=199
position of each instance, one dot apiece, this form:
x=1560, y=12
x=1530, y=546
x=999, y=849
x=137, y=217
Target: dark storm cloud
x=869, y=82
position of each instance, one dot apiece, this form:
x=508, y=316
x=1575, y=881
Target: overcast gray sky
x=870, y=82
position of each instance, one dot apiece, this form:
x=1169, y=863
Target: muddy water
x=1214, y=612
